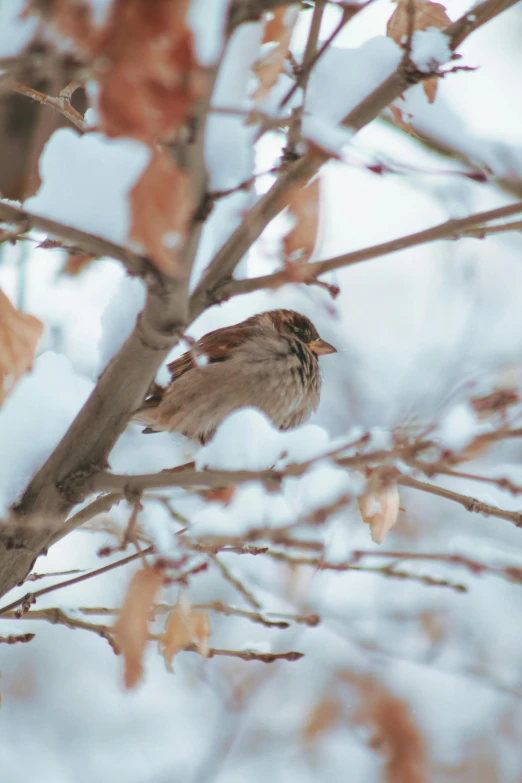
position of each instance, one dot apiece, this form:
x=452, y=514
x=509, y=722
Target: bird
x=269, y=361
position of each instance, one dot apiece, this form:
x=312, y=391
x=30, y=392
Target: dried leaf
x=379, y=508
x=396, y=734
x=162, y=206
x=182, y=629
x=496, y=402
x=221, y=494
x=430, y=88
x=278, y=33
x=76, y=262
x=19, y=335
x=326, y=714
x=143, y=59
x=73, y=18
x=426, y=14
x=147, y=71
x=398, y=119
x=131, y=629
x=303, y=206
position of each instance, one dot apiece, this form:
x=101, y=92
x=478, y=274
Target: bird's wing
x=216, y=346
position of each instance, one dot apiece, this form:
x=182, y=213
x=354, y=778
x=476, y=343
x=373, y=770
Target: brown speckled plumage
x=270, y=362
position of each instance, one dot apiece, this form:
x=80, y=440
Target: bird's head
x=297, y=326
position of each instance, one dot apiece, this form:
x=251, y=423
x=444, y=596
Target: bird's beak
x=320, y=347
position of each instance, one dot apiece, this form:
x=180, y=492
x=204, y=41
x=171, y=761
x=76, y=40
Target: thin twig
x=251, y=655
x=387, y=570
x=61, y=104
x=101, y=505
x=235, y=582
x=511, y=573
x=57, y=616
x=469, y=503
x=311, y=620
x=17, y=638
x=30, y=598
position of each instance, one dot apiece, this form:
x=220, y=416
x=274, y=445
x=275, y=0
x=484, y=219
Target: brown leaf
x=147, y=71
x=303, y=206
x=221, y=494
x=131, y=629
x=398, y=119
x=396, y=735
x=76, y=262
x=182, y=629
x=278, y=31
x=426, y=14
x=430, y=88
x=143, y=59
x=379, y=508
x=19, y=335
x=162, y=206
x=73, y=18
x=326, y=714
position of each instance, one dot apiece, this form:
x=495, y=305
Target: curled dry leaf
x=161, y=206
x=182, y=629
x=425, y=15
x=131, y=629
x=303, y=208
x=379, y=507
x=19, y=335
x=278, y=32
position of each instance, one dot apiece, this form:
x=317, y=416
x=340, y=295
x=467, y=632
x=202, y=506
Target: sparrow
x=269, y=362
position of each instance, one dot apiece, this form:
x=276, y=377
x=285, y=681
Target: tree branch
x=61, y=104
x=90, y=243
x=469, y=503
x=257, y=219
x=450, y=229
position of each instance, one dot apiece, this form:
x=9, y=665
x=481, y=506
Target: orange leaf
x=182, y=629
x=278, y=33
x=131, y=629
x=379, y=508
x=76, y=262
x=398, y=119
x=426, y=14
x=221, y=494
x=303, y=205
x=19, y=335
x=322, y=718
x=143, y=59
x=147, y=71
x=162, y=206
